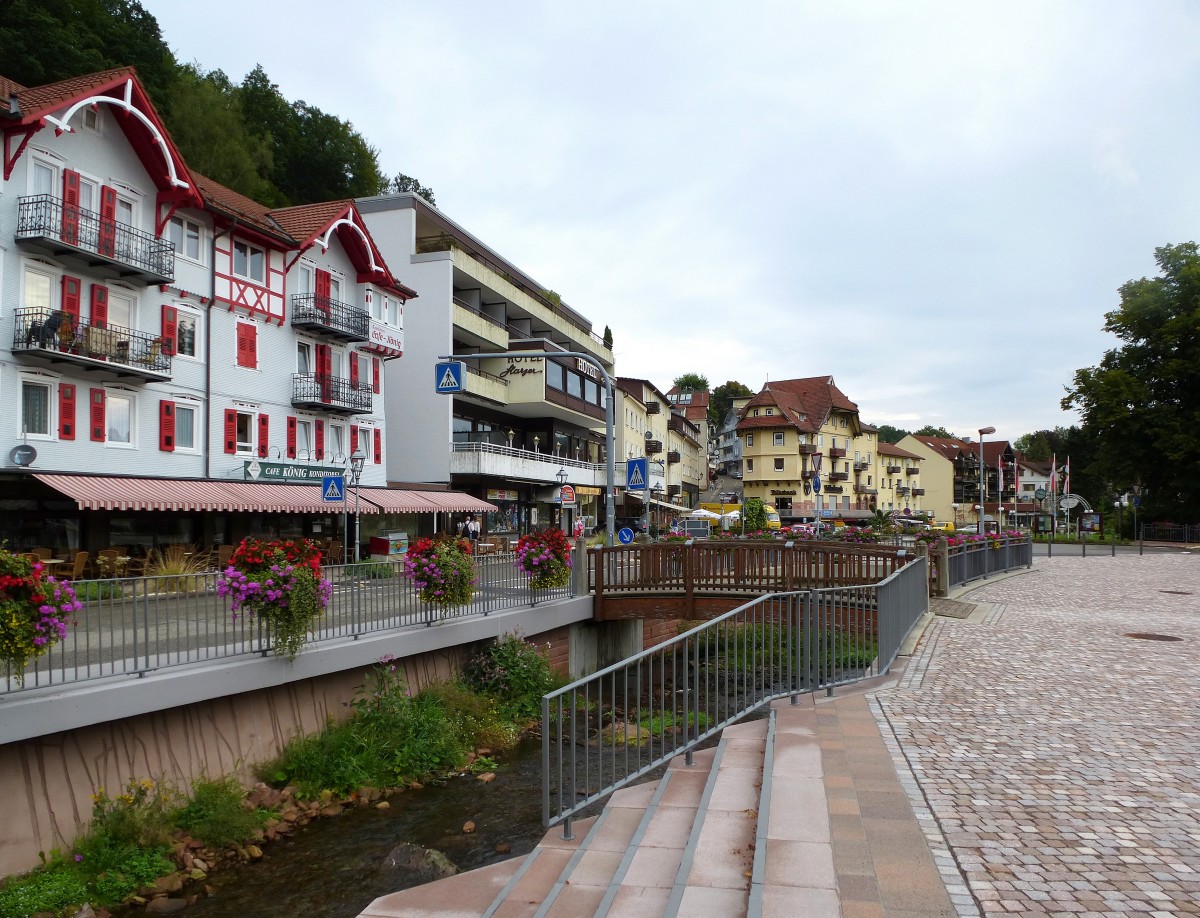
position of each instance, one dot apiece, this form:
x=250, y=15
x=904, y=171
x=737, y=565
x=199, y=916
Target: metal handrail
x=478, y=446
x=331, y=391
x=605, y=731
x=982, y=559
x=311, y=309
x=57, y=332
x=129, y=626
x=47, y=217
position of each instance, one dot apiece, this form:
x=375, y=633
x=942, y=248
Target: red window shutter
x=166, y=426
x=264, y=435
x=66, y=411
x=321, y=288
x=230, y=430
x=247, y=345
x=353, y=438
x=325, y=371
x=99, y=306
x=378, y=446
x=72, y=295
x=170, y=326
x=97, y=414
x=375, y=375
x=108, y=220
x=319, y=439
x=354, y=371
x=291, y=438
x=70, y=216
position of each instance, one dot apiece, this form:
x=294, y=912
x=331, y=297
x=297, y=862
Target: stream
x=332, y=867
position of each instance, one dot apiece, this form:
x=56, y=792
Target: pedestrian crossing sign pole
x=448, y=376
x=333, y=489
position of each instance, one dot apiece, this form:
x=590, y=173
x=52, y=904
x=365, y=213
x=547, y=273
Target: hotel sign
x=257, y=470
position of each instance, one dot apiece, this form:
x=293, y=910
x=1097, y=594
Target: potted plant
x=281, y=582
x=546, y=557
x=35, y=611
x=442, y=570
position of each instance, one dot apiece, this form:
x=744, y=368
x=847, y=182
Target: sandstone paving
x=1052, y=760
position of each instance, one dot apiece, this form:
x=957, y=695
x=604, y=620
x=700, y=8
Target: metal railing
x=43, y=216
x=343, y=319
x=54, y=331
x=1170, y=532
x=605, y=731
x=979, y=560
x=478, y=446
x=331, y=392
x=130, y=626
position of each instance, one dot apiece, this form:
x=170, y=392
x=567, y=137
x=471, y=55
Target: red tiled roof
x=946, y=447
x=246, y=210
x=9, y=88
x=803, y=403
x=43, y=100
x=891, y=449
x=305, y=222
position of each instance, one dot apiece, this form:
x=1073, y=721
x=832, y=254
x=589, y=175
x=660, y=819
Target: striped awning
x=100, y=492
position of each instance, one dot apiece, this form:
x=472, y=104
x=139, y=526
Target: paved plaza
x=1058, y=756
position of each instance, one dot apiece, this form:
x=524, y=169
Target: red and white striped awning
x=100, y=492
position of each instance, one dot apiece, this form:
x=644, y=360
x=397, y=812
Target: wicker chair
x=78, y=565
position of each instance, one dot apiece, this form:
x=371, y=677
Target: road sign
x=625, y=536
x=637, y=472
x=816, y=485
x=448, y=377
x=566, y=495
x=1137, y=501
x=333, y=489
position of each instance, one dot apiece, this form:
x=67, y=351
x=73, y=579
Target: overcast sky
x=935, y=202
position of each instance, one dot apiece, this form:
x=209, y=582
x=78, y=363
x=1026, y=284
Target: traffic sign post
x=448, y=377
x=333, y=489
x=637, y=473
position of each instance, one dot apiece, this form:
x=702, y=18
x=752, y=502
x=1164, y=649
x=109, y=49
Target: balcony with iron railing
x=912, y=470
x=330, y=318
x=838, y=476
x=918, y=492
x=806, y=449
x=653, y=447
x=834, y=489
x=865, y=489
x=893, y=469
x=837, y=452
x=652, y=407
x=322, y=392
x=903, y=490
x=861, y=465
x=53, y=336
x=45, y=224
x=673, y=456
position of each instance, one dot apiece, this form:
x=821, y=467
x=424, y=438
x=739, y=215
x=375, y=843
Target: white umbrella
x=701, y=514
x=732, y=515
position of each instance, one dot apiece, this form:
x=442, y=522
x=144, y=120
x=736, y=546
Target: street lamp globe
x=561, y=475
x=357, y=460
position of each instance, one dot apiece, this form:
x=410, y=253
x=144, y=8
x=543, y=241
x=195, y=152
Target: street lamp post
x=983, y=431
x=561, y=475
x=356, y=467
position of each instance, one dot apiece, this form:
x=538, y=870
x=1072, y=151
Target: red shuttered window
x=230, y=431
x=96, y=414
x=353, y=438
x=72, y=294
x=66, y=411
x=247, y=345
x=375, y=375
x=99, y=306
x=166, y=426
x=319, y=439
x=353, y=371
x=378, y=446
x=108, y=220
x=264, y=435
x=70, y=218
x=291, y=438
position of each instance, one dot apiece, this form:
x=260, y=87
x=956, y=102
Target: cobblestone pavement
x=1059, y=757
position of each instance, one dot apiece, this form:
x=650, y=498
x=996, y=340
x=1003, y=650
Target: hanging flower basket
x=442, y=570
x=281, y=582
x=546, y=557
x=35, y=611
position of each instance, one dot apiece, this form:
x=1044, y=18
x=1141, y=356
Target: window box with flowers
x=442, y=570
x=546, y=557
x=281, y=582
x=35, y=611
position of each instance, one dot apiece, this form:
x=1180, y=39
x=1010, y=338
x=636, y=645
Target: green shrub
x=140, y=816
x=126, y=871
x=517, y=674
x=92, y=590
x=45, y=890
x=217, y=815
x=369, y=570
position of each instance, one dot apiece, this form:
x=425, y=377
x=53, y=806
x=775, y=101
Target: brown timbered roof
x=802, y=403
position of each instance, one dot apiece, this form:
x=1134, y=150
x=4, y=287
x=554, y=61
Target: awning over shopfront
x=96, y=492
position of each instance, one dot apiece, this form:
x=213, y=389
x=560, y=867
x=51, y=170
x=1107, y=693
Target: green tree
x=890, y=434
x=608, y=341
x=691, y=382
x=406, y=183
x=755, y=517
x=1141, y=404
x=931, y=431
x=722, y=400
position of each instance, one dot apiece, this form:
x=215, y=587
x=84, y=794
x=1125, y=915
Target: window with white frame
x=304, y=361
x=304, y=280
x=91, y=119
x=777, y=438
x=187, y=333
x=364, y=370
x=185, y=427
x=337, y=440
x=38, y=289
x=36, y=407
x=366, y=442
x=749, y=465
x=336, y=364
x=43, y=178
x=779, y=464
x=120, y=310
x=335, y=289
x=304, y=439
x=249, y=261
x=125, y=211
x=118, y=410
x=245, y=432
x=186, y=235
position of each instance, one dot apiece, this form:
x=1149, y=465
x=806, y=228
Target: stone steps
x=690, y=844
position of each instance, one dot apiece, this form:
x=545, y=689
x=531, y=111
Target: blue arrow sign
x=625, y=536
x=448, y=377
x=816, y=485
x=637, y=471
x=333, y=489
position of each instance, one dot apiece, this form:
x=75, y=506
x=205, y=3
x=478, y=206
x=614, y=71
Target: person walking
x=473, y=528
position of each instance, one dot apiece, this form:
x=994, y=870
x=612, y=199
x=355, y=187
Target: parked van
x=773, y=523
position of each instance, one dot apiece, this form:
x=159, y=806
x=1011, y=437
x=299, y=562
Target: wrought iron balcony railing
x=837, y=452
x=838, y=476
x=56, y=336
x=330, y=393
x=673, y=456
x=653, y=446
x=66, y=229
x=893, y=469
x=326, y=316
x=912, y=470
x=807, y=449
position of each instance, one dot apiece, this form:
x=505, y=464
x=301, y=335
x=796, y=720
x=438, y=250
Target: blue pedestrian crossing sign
x=333, y=489
x=448, y=376
x=636, y=473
